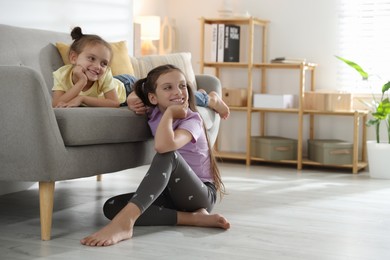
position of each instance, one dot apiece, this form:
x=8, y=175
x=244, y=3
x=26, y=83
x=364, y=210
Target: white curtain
x=364, y=37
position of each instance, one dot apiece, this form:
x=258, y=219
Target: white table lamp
x=150, y=31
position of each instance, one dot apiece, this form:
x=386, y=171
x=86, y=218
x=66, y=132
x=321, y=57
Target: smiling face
x=94, y=59
x=171, y=89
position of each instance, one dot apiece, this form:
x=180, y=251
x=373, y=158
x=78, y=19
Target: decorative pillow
x=120, y=63
x=142, y=65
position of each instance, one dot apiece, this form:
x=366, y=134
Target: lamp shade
x=150, y=27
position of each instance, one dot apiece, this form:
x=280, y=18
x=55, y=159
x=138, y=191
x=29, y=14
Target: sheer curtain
x=364, y=37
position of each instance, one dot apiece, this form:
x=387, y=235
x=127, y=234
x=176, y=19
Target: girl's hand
x=61, y=104
x=166, y=138
x=136, y=104
x=179, y=111
x=76, y=102
x=79, y=77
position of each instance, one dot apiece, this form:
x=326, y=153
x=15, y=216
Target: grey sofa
x=45, y=145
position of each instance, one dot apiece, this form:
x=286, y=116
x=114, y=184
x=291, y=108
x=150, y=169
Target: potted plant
x=380, y=109
x=378, y=152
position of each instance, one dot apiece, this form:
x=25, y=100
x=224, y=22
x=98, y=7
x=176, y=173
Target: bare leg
x=216, y=103
x=201, y=218
x=120, y=228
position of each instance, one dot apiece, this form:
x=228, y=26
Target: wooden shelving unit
x=262, y=67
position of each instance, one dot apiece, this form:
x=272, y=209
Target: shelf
x=244, y=109
x=263, y=109
x=306, y=66
x=257, y=159
x=230, y=155
x=307, y=112
x=276, y=110
x=236, y=20
x=337, y=113
x=309, y=66
x=360, y=165
x=226, y=64
x=242, y=156
x=261, y=66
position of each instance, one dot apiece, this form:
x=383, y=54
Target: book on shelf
x=220, y=42
x=285, y=60
x=232, y=43
x=225, y=43
x=214, y=42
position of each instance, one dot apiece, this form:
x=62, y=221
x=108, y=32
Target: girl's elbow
x=159, y=149
x=115, y=104
x=162, y=148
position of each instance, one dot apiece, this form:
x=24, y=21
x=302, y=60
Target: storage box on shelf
x=275, y=101
x=331, y=101
x=235, y=97
x=359, y=135
x=330, y=151
x=254, y=103
x=274, y=148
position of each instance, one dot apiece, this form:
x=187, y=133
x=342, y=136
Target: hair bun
x=76, y=33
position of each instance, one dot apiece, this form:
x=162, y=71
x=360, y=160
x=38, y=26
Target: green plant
x=381, y=108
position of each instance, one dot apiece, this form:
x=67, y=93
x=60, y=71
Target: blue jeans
x=201, y=99
x=128, y=81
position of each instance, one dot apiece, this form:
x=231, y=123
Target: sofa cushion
x=90, y=126
x=142, y=65
x=120, y=63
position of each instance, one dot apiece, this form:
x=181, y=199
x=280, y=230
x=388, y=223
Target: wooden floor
x=276, y=213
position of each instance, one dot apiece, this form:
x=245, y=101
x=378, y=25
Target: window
x=364, y=37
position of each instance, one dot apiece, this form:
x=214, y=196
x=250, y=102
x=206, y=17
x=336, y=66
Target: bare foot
x=120, y=228
x=216, y=103
x=201, y=218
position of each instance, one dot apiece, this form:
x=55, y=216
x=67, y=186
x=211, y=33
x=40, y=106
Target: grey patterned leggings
x=169, y=186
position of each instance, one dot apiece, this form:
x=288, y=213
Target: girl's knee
x=164, y=156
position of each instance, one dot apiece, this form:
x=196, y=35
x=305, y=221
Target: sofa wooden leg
x=99, y=177
x=46, y=202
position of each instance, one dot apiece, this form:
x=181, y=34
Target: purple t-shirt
x=196, y=153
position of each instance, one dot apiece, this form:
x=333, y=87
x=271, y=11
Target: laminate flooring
x=275, y=213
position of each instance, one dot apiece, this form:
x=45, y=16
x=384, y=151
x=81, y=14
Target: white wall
x=299, y=28
x=152, y=7
x=112, y=19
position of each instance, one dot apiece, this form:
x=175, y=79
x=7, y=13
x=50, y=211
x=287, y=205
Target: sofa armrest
x=208, y=83
x=210, y=117
x=30, y=141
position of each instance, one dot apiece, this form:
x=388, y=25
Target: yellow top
x=63, y=82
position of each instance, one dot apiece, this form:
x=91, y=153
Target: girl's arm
x=110, y=100
x=59, y=98
x=166, y=139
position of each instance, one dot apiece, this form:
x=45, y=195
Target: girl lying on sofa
x=88, y=80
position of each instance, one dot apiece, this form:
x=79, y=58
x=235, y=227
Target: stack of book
x=288, y=60
x=225, y=46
